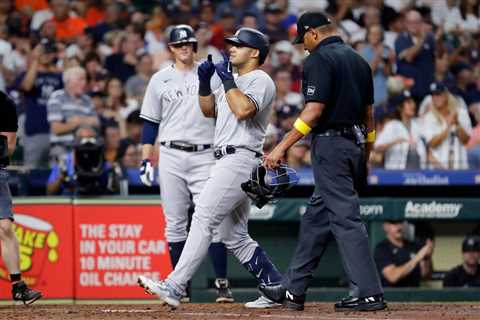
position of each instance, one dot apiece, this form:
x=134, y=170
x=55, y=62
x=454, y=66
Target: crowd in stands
x=85, y=64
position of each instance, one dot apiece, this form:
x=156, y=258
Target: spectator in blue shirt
x=380, y=58
x=415, y=49
x=41, y=79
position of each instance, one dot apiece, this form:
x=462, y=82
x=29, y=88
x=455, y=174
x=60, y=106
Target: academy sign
x=432, y=210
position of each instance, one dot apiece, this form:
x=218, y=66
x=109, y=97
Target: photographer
x=8, y=240
x=82, y=171
x=41, y=79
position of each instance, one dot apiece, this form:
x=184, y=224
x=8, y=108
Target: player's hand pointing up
x=224, y=71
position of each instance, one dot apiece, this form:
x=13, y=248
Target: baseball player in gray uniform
x=241, y=106
x=170, y=111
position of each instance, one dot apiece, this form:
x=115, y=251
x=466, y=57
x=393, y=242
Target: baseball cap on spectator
x=287, y=111
x=405, y=95
x=459, y=67
x=227, y=13
x=437, y=87
x=309, y=20
x=284, y=46
x=272, y=8
x=397, y=100
x=471, y=243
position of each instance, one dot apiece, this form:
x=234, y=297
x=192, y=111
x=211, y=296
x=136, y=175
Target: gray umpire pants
x=334, y=210
x=5, y=197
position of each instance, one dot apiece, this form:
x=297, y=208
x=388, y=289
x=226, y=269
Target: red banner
x=114, y=244
x=44, y=233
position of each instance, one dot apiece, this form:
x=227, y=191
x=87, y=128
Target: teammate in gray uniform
x=241, y=107
x=170, y=111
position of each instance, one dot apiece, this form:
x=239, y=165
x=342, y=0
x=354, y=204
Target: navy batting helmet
x=264, y=185
x=183, y=33
x=251, y=38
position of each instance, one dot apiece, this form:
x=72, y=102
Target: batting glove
x=224, y=71
x=205, y=72
x=146, y=173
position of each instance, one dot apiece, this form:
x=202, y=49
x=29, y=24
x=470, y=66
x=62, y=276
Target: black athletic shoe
x=279, y=294
x=20, y=292
x=346, y=303
x=224, y=293
x=370, y=303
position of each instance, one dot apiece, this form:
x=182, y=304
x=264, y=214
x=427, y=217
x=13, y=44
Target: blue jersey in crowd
x=422, y=68
x=36, y=101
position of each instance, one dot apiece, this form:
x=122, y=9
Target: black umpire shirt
x=8, y=114
x=458, y=277
x=334, y=74
x=387, y=254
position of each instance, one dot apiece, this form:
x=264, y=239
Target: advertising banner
x=114, y=244
x=44, y=233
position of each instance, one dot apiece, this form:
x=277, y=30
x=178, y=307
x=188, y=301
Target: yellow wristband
x=371, y=136
x=301, y=126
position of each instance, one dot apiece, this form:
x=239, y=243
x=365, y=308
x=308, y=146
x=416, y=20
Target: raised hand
x=206, y=69
x=224, y=68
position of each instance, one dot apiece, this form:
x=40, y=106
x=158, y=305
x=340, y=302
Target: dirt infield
x=321, y=311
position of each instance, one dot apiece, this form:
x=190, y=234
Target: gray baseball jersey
x=171, y=100
x=259, y=87
x=222, y=205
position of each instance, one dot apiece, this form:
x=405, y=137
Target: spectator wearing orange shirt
x=30, y=6
x=91, y=11
x=67, y=27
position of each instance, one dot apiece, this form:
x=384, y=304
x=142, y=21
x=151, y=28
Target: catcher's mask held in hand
x=265, y=185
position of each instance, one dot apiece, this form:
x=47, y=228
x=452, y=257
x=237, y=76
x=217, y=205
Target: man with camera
x=83, y=171
x=41, y=79
x=8, y=240
x=67, y=110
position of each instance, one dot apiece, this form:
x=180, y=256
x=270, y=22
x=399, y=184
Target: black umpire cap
x=309, y=20
x=251, y=38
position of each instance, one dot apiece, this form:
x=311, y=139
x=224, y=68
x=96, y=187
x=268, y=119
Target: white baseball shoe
x=262, y=303
x=161, y=289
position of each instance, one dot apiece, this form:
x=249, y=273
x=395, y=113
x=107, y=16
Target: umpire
x=10, y=254
x=338, y=91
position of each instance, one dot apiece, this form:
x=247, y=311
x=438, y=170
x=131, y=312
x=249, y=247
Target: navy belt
x=220, y=152
x=187, y=147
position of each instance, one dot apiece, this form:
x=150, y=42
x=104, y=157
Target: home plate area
x=320, y=311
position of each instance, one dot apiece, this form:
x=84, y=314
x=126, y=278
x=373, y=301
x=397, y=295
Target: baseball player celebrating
x=170, y=110
x=241, y=107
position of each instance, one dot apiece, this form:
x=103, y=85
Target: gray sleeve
x=54, y=107
x=152, y=104
x=261, y=91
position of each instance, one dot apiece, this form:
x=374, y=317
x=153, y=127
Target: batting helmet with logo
x=252, y=38
x=183, y=33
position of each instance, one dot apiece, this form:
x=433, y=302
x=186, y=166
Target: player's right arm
x=151, y=114
x=207, y=105
x=206, y=99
